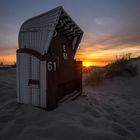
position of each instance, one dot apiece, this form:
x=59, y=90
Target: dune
x=107, y=112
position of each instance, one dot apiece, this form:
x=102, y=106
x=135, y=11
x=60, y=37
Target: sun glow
x=87, y=64
x=8, y=59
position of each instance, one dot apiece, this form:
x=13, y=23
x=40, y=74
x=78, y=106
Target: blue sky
x=111, y=27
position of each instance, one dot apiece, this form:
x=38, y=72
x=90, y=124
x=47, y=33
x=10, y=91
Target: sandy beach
x=107, y=112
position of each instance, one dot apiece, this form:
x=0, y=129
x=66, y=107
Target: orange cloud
x=103, y=48
x=100, y=49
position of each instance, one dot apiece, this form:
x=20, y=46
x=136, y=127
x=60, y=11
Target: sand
x=107, y=112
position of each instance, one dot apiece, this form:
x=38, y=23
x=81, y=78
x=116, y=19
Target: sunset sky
x=111, y=27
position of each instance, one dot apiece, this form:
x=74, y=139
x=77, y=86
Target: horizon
x=110, y=28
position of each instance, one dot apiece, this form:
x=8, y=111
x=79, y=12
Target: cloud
x=106, y=41
x=119, y=41
x=105, y=47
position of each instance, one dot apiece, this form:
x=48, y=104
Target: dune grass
x=122, y=66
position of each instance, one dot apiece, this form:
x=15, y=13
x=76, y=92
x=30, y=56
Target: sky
x=111, y=27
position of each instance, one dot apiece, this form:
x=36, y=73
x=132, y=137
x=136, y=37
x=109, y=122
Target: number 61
x=51, y=66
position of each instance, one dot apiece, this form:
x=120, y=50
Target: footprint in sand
x=117, y=106
x=119, y=119
x=95, y=113
x=113, y=117
x=87, y=122
x=95, y=101
x=108, y=108
x=120, y=130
